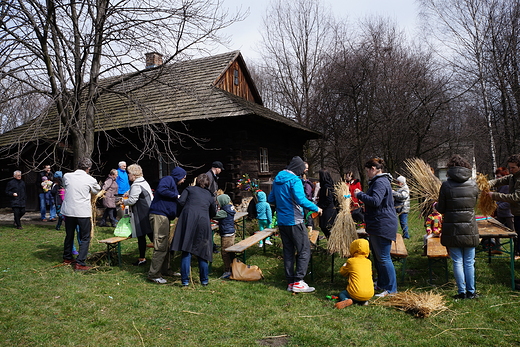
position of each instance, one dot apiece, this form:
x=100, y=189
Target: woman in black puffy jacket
x=457, y=200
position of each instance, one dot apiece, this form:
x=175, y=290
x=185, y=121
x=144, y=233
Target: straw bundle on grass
x=343, y=232
x=421, y=305
x=422, y=182
x=486, y=205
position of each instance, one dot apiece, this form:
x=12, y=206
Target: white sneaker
x=302, y=287
x=159, y=280
x=260, y=245
x=384, y=293
x=290, y=287
x=268, y=242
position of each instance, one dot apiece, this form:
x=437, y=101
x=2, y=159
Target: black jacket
x=18, y=187
x=457, y=200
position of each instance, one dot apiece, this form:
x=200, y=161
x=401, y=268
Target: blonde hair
x=135, y=170
x=113, y=172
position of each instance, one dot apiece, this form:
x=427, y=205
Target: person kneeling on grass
x=358, y=270
x=226, y=222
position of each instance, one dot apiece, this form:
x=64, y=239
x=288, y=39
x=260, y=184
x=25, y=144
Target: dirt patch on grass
x=274, y=341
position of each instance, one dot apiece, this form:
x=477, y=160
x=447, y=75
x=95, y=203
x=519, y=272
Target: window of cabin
x=235, y=77
x=264, y=160
x=165, y=166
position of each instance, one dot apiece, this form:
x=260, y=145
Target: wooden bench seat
x=436, y=252
x=114, y=243
x=243, y=245
x=399, y=253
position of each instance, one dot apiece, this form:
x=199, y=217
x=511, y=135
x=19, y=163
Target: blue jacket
x=122, y=181
x=380, y=216
x=288, y=196
x=263, y=209
x=225, y=216
x=164, y=201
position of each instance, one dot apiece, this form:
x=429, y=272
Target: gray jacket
x=513, y=197
x=402, y=197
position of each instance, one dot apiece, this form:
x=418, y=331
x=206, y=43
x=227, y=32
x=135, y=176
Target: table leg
x=512, y=262
x=332, y=269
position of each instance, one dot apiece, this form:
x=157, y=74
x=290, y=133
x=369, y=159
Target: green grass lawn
x=43, y=303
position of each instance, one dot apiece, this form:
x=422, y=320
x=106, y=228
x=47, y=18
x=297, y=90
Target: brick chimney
x=153, y=59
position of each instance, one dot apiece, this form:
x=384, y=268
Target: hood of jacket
x=381, y=175
x=297, y=166
x=459, y=174
x=178, y=173
x=261, y=196
x=223, y=199
x=359, y=247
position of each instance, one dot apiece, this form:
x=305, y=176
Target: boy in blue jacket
x=226, y=222
x=264, y=215
x=289, y=198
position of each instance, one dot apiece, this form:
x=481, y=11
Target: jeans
x=386, y=278
x=403, y=220
x=85, y=226
x=295, y=239
x=186, y=269
x=43, y=208
x=464, y=268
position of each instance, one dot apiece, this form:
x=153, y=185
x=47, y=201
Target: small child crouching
x=358, y=270
x=433, y=226
x=226, y=223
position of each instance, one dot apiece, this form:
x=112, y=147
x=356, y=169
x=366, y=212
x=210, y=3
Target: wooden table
x=490, y=228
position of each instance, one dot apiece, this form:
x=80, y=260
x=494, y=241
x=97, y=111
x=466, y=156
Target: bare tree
x=380, y=96
x=62, y=50
x=462, y=27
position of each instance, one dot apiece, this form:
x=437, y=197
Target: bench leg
x=109, y=249
x=119, y=254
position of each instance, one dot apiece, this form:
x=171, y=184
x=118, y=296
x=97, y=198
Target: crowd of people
x=381, y=208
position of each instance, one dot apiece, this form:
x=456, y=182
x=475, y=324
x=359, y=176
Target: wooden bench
x=243, y=245
x=436, y=252
x=399, y=253
x=114, y=243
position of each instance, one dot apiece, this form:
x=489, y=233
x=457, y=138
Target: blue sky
x=246, y=36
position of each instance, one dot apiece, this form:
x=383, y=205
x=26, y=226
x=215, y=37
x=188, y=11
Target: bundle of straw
x=343, y=232
x=93, y=203
x=423, y=183
x=486, y=205
x=421, y=305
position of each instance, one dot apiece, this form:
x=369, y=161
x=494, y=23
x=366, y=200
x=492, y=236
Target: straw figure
x=486, y=205
x=343, y=232
x=421, y=305
x=93, y=203
x=422, y=182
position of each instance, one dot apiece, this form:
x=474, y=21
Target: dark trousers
x=85, y=226
x=516, y=221
x=109, y=213
x=296, y=251
x=18, y=214
x=141, y=244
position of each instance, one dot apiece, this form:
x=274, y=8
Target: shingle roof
x=176, y=92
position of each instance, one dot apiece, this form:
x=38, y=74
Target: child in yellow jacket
x=358, y=269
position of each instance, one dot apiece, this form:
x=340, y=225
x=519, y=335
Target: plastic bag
x=124, y=227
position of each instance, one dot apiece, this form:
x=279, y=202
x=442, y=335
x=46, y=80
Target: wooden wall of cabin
x=235, y=82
